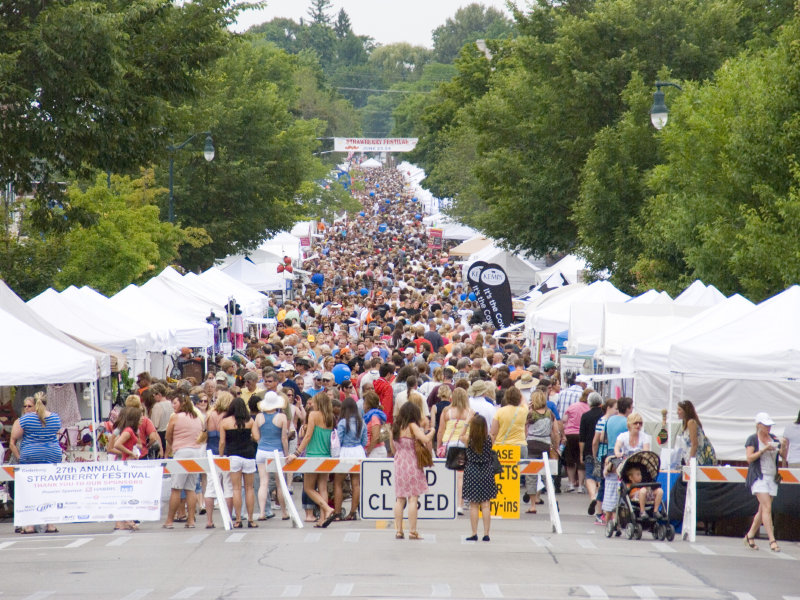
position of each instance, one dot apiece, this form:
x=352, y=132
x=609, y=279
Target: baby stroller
x=628, y=516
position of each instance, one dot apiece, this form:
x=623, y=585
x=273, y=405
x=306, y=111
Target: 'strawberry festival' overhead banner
x=374, y=144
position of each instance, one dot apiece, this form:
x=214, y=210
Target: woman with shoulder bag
x=763, y=455
x=541, y=437
x=452, y=426
x=693, y=441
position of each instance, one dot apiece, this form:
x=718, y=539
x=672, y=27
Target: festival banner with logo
x=474, y=279
x=435, y=238
x=88, y=492
x=374, y=144
x=496, y=291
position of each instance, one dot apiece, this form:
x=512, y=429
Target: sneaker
x=460, y=511
x=570, y=488
x=600, y=520
x=581, y=489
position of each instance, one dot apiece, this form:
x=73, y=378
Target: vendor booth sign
x=88, y=492
x=374, y=144
x=435, y=238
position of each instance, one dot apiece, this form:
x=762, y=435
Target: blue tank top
x=39, y=442
x=270, y=435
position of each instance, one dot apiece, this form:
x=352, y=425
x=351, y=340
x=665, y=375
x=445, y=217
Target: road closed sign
x=378, y=491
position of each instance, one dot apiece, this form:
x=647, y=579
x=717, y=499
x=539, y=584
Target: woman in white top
x=633, y=440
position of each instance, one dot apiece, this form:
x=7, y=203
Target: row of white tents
x=728, y=356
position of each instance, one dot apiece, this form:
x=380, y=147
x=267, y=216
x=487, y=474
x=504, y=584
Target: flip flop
x=26, y=532
x=329, y=520
x=531, y=511
x=284, y=518
x=210, y=526
x=51, y=530
x=168, y=526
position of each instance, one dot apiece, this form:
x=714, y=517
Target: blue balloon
x=372, y=193
x=318, y=279
x=318, y=291
x=472, y=296
x=377, y=185
x=351, y=293
x=382, y=227
x=463, y=297
x=341, y=373
x=418, y=217
x=361, y=214
x=388, y=201
x=363, y=291
x=415, y=200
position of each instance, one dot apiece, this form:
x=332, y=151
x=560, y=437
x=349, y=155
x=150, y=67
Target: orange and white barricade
x=692, y=475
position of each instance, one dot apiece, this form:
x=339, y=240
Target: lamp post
x=658, y=112
x=208, y=154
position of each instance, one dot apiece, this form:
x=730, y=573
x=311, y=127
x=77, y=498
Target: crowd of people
x=382, y=355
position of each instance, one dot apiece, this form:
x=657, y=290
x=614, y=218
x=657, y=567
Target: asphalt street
x=362, y=559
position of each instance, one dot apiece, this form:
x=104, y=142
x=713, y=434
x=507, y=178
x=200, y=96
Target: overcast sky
x=387, y=21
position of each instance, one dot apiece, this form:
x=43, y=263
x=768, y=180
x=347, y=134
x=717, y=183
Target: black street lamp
x=208, y=154
x=659, y=113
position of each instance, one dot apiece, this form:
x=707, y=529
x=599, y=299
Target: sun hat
x=271, y=401
x=526, y=381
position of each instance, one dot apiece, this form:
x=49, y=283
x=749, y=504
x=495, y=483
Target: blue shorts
x=589, y=462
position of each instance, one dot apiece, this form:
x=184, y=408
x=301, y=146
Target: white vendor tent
x=263, y=277
x=370, y=163
x=699, y=294
x=469, y=247
x=652, y=297
x=284, y=244
x=13, y=305
x=555, y=316
x=192, y=333
x=570, y=266
x=178, y=299
x=253, y=303
x=451, y=230
x=30, y=357
x=74, y=319
x=626, y=324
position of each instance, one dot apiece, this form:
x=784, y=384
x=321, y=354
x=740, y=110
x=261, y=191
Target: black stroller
x=628, y=516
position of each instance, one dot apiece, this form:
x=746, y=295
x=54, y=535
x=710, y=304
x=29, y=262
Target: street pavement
x=362, y=559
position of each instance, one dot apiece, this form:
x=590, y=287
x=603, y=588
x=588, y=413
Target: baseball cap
x=221, y=376
x=764, y=419
x=548, y=364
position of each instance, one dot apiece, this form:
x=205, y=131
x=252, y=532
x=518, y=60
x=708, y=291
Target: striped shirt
x=568, y=397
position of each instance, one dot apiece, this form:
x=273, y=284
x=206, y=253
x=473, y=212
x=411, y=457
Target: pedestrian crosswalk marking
x=5, y=545
x=541, y=542
x=743, y=596
x=186, y=593
x=137, y=594
x=196, y=538
x=38, y=595
x=352, y=537
x=292, y=591
x=702, y=549
x=595, y=592
x=586, y=544
x=440, y=590
x=119, y=541
x=78, y=543
x=312, y=538
x=644, y=592
x=342, y=589
x=235, y=537
x=663, y=547
x=491, y=590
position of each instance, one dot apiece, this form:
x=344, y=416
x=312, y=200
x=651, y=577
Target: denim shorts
x=589, y=462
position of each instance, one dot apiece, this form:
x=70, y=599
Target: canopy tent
x=412, y=173
x=73, y=318
x=520, y=271
x=257, y=257
x=192, y=333
x=252, y=302
x=31, y=357
x=570, y=266
x=451, y=230
x=555, y=316
x=178, y=299
x=283, y=244
x=699, y=294
x=13, y=305
x=626, y=324
x=370, y=163
x=261, y=278
x=652, y=297
x=98, y=305
x=470, y=246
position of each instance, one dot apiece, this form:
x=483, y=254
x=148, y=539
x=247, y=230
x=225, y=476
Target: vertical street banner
x=88, y=492
x=496, y=292
x=474, y=279
x=435, y=238
x=506, y=504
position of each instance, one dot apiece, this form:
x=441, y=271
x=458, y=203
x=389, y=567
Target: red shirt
x=146, y=427
x=384, y=390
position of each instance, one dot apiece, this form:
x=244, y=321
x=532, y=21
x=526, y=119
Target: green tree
x=318, y=11
x=472, y=22
x=262, y=179
x=726, y=194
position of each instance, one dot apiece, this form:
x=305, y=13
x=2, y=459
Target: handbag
x=424, y=456
x=336, y=446
x=705, y=453
x=441, y=451
x=456, y=458
x=497, y=468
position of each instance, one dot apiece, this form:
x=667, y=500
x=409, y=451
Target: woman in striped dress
x=36, y=434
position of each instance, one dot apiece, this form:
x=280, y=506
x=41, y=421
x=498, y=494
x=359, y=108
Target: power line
x=353, y=89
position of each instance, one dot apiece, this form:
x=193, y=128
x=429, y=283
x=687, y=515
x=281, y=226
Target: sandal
x=351, y=517
x=773, y=546
x=252, y=524
x=399, y=535
x=237, y=525
x=750, y=543
x=414, y=535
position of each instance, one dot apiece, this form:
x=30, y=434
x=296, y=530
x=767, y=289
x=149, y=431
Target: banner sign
x=374, y=144
x=493, y=292
x=88, y=492
x=473, y=279
x=547, y=347
x=378, y=497
x=435, y=238
x=506, y=503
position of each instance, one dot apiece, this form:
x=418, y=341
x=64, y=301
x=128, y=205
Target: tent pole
x=669, y=441
x=95, y=391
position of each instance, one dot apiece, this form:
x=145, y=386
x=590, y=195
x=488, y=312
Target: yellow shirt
x=511, y=425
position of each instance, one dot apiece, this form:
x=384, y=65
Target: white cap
x=764, y=419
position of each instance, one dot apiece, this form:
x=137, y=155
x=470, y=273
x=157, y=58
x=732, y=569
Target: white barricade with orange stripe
x=693, y=475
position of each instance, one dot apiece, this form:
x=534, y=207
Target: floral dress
x=409, y=478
